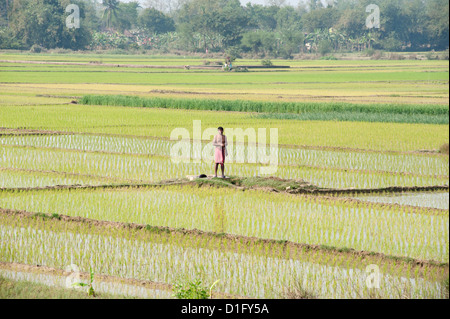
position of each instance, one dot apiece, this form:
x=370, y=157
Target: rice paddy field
x=87, y=177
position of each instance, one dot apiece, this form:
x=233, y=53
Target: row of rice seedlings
x=398, y=163
x=158, y=122
x=383, y=111
x=114, y=288
x=408, y=163
x=154, y=169
x=392, y=230
x=329, y=178
x=262, y=273
x=431, y=200
x=20, y=179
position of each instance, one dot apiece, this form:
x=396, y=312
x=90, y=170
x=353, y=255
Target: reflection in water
x=431, y=200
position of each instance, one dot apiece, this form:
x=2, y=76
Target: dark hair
x=220, y=129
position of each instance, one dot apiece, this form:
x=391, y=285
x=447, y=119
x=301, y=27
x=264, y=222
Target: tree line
x=226, y=26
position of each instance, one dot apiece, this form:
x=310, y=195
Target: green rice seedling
x=12, y=178
x=392, y=230
x=346, y=112
x=144, y=122
x=431, y=200
x=33, y=241
x=114, y=168
x=371, y=161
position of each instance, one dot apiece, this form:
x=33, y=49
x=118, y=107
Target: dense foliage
x=227, y=26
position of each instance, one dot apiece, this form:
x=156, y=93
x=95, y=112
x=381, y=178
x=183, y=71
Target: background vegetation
x=226, y=26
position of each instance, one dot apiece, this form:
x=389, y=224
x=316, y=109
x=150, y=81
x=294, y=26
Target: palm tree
x=111, y=7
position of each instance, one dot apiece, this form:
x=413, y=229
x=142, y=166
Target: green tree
x=4, y=12
x=127, y=15
x=110, y=12
x=394, y=21
x=437, y=25
x=212, y=18
x=43, y=22
x=290, y=36
x=290, y=42
x=288, y=18
x=323, y=18
x=260, y=42
x=351, y=21
x=261, y=17
x=155, y=21
x=315, y=4
x=416, y=25
x=91, y=20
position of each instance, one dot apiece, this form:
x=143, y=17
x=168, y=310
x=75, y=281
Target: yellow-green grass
x=45, y=68
x=21, y=281
x=318, y=111
x=252, y=269
x=105, y=58
x=376, y=162
x=221, y=79
x=391, y=230
x=350, y=81
x=125, y=66
x=22, y=289
x=398, y=93
x=151, y=169
x=42, y=160
x=161, y=122
x=30, y=99
x=394, y=230
x=179, y=60
x=16, y=178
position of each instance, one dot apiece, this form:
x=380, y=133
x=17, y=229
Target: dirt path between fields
x=297, y=188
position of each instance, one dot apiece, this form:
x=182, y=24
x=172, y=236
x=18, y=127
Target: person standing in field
x=220, y=143
x=229, y=64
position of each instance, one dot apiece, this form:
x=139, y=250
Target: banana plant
x=90, y=287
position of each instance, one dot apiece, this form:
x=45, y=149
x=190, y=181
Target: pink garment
x=219, y=155
x=220, y=143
